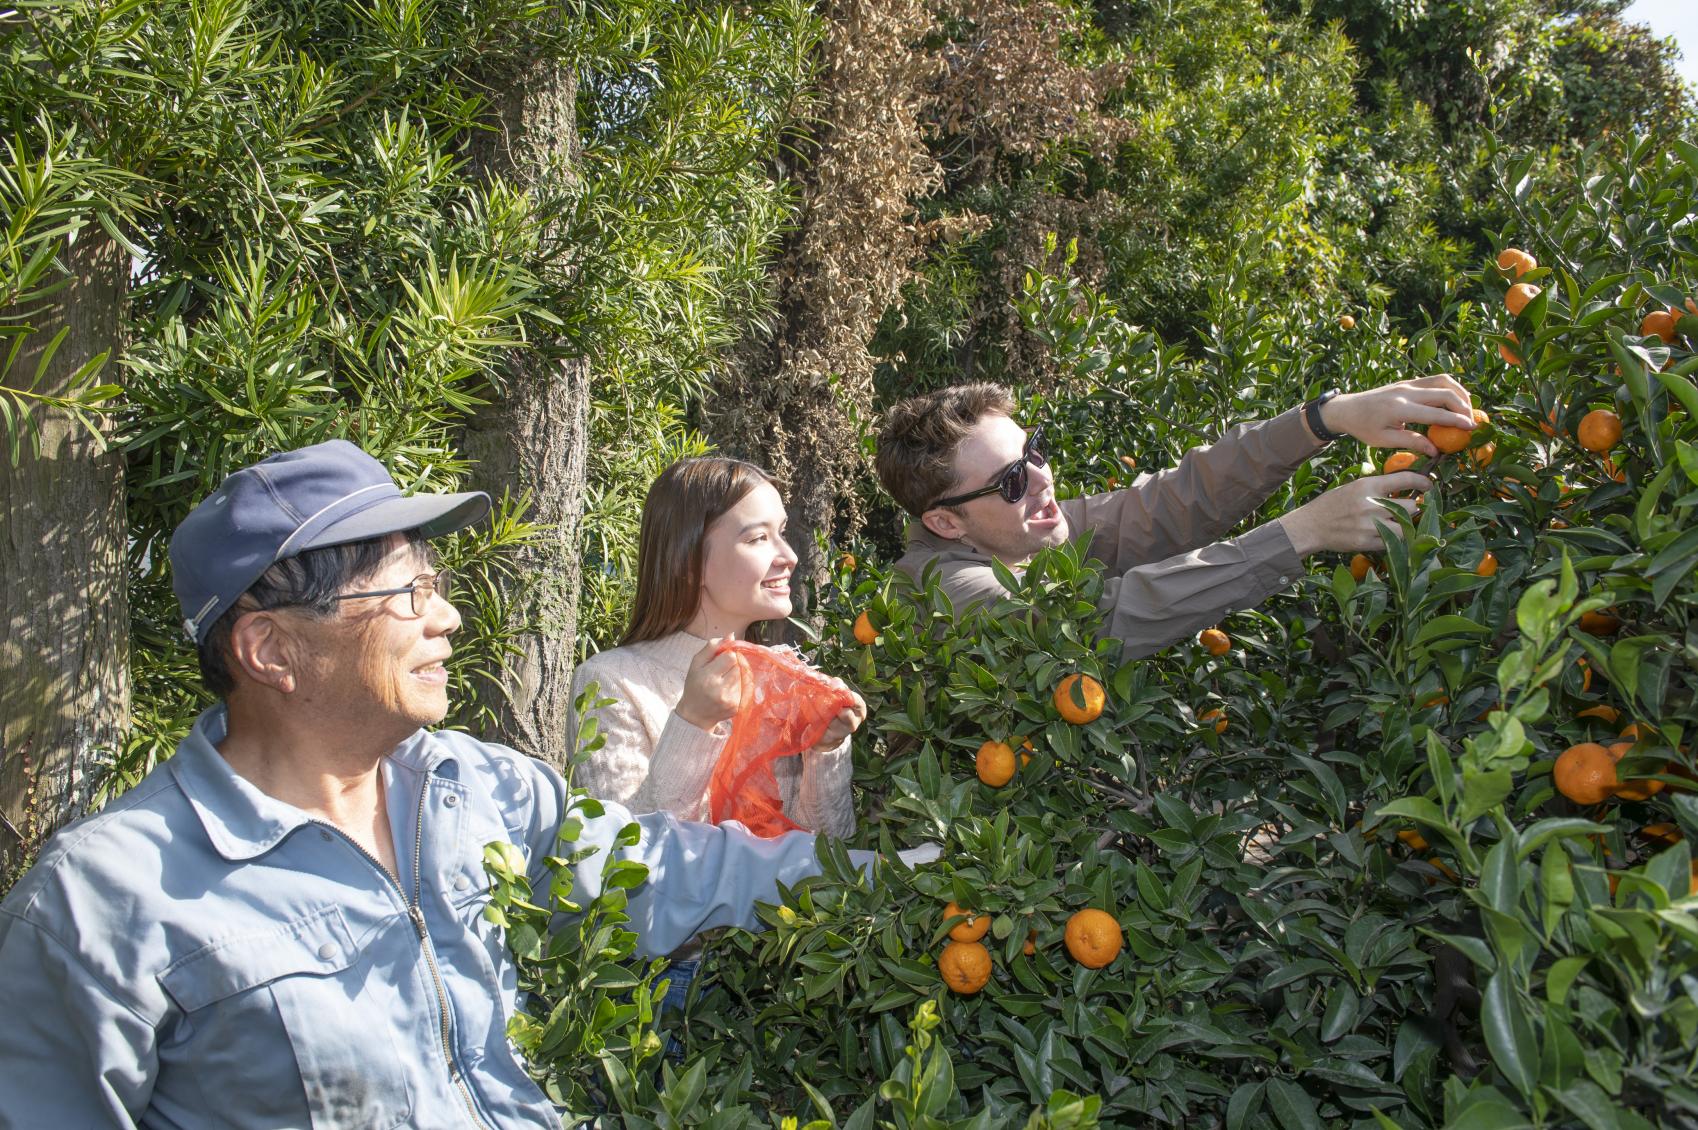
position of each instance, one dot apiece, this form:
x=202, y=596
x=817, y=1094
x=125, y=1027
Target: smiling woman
x=712, y=564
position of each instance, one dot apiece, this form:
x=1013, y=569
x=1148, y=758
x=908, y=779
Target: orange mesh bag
x=786, y=708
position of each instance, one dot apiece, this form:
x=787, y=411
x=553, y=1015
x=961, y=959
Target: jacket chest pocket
x=307, y=983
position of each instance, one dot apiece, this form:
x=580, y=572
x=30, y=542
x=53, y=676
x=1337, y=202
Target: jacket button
x=451, y=800
x=326, y=951
x=461, y=882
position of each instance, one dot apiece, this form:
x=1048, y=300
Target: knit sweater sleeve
x=644, y=770
x=817, y=790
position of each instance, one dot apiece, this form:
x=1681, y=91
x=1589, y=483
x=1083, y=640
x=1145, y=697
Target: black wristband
x=1312, y=414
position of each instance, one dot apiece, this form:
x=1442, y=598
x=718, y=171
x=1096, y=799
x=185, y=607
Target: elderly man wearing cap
x=281, y=925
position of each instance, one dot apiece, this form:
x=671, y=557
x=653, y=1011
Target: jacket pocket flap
x=317, y=943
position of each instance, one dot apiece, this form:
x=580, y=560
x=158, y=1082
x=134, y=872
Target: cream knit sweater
x=654, y=761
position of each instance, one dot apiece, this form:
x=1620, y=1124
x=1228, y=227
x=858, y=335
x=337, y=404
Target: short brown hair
x=917, y=444
x=683, y=501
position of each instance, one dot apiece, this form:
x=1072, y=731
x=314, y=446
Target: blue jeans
x=680, y=973
x=676, y=993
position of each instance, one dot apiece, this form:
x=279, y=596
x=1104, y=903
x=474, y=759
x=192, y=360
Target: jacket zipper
x=415, y=915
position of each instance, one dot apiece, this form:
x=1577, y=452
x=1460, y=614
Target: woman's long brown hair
x=683, y=501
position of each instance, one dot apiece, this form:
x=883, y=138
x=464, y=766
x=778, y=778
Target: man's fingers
x=1381, y=485
x=1438, y=409
x=1408, y=480
x=1448, y=413
x=1443, y=381
x=1404, y=438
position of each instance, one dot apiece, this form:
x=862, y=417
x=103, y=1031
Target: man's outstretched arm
x=1212, y=489
x=700, y=876
x=1151, y=606
x=1215, y=487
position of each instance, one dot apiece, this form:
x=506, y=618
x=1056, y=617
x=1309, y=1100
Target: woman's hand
x=848, y=720
x=713, y=687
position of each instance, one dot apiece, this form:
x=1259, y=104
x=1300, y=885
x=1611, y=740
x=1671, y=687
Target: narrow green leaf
x=1509, y=1034
x=1449, y=625
x=1682, y=390
x=1343, y=1007
x=1245, y=1101
x=1671, y=870
x=1556, y=883
x=1500, y=878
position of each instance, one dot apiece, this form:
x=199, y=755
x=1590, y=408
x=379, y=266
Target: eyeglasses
x=423, y=585
x=1012, y=483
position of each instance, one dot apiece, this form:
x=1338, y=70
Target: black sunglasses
x=1012, y=483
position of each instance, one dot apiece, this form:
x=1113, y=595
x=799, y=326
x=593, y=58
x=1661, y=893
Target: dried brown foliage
x=908, y=95
x=795, y=398
x=1010, y=89
x=1014, y=93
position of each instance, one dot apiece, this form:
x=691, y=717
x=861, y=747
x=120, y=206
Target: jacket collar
x=241, y=821
x=950, y=549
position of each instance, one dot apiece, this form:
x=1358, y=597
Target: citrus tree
x=1404, y=848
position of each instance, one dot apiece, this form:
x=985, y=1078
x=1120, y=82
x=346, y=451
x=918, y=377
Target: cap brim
x=431, y=514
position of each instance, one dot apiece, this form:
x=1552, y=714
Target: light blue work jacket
x=199, y=954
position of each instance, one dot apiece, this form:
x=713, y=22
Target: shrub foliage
x=1352, y=897
x=1361, y=902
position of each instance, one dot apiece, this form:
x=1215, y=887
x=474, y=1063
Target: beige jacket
x=1169, y=573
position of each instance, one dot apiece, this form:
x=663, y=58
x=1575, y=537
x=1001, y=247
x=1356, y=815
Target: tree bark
x=533, y=440
x=64, y=658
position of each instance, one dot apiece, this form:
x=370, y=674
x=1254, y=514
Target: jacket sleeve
x=666, y=774
x=72, y=1051
x=1150, y=606
x=1197, y=502
x=702, y=876
x=699, y=876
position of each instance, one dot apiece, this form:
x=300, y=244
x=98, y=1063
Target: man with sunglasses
x=978, y=487
x=282, y=924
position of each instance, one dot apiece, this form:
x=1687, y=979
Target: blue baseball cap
x=327, y=494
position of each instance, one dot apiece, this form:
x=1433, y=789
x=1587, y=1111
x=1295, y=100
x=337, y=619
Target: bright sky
x=1678, y=18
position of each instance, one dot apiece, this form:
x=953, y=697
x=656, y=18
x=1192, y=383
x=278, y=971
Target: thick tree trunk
x=533, y=440
x=64, y=656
